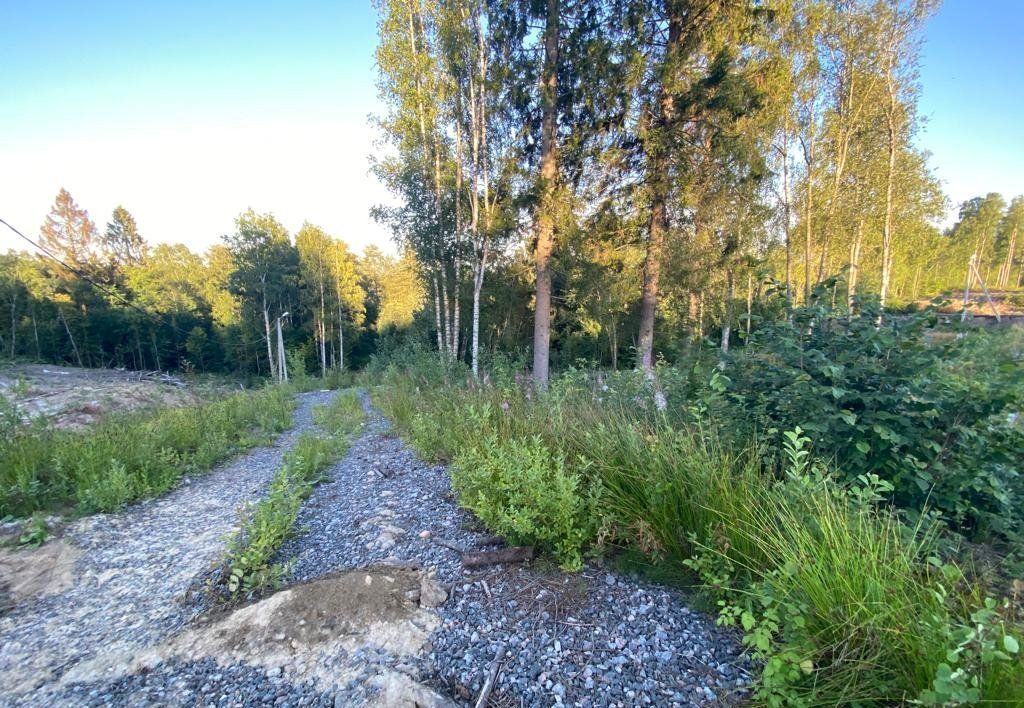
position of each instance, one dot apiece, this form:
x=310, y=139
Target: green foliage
x=842, y=600
x=35, y=532
x=527, y=493
x=879, y=397
x=125, y=458
x=248, y=564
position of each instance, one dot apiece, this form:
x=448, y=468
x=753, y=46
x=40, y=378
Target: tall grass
x=128, y=457
x=841, y=601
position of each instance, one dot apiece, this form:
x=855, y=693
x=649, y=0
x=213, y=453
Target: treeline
x=646, y=174
x=107, y=298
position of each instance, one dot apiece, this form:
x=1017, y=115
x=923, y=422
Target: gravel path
x=593, y=638
x=132, y=578
x=588, y=639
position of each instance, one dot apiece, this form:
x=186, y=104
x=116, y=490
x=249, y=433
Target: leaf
x=1010, y=644
x=848, y=416
x=863, y=447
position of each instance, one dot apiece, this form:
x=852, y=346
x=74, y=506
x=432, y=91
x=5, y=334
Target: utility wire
x=102, y=288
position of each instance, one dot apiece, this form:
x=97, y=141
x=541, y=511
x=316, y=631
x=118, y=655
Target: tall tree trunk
x=658, y=180
x=855, y=264
x=14, y=321
x=890, y=178
x=1004, y=273
x=323, y=331
x=808, y=204
x=266, y=327
x=457, y=282
x=478, y=286
x=545, y=214
x=435, y=287
x=787, y=212
x=750, y=300
x=447, y=313
x=341, y=335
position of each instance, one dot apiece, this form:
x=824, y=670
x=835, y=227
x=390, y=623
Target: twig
x=487, y=590
x=492, y=676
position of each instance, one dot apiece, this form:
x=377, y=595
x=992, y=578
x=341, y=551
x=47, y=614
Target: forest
x=674, y=295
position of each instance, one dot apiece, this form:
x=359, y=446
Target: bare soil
x=75, y=398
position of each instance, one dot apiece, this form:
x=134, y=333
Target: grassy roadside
x=128, y=457
x=841, y=600
x=248, y=566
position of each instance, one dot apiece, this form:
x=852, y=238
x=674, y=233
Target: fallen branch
x=489, y=540
x=492, y=676
x=517, y=554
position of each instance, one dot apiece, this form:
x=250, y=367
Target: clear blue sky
x=972, y=96
x=190, y=112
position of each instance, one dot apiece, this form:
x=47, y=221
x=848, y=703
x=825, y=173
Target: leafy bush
x=878, y=397
x=124, y=458
x=527, y=493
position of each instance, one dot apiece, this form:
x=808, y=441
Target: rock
x=432, y=594
x=425, y=534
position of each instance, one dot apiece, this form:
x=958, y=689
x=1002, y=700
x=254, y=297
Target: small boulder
x=432, y=594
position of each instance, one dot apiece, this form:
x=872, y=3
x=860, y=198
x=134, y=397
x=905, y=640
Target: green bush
x=124, y=458
x=879, y=396
x=527, y=493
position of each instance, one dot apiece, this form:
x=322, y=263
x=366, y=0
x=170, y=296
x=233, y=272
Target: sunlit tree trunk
x=545, y=214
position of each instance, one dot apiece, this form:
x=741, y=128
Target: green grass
x=129, y=457
x=248, y=566
x=840, y=599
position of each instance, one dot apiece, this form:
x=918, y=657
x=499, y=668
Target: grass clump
x=248, y=564
x=125, y=458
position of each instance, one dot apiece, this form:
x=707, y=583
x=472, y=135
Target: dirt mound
x=312, y=633
x=75, y=398
x=38, y=571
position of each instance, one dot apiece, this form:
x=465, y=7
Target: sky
x=190, y=112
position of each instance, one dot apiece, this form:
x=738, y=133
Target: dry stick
x=492, y=676
x=518, y=554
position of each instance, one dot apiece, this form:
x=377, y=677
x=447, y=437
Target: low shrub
x=529, y=494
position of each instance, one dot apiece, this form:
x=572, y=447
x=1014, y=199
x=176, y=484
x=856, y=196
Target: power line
x=102, y=288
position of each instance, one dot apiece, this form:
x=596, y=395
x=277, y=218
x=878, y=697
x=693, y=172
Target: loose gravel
x=594, y=638
x=135, y=569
